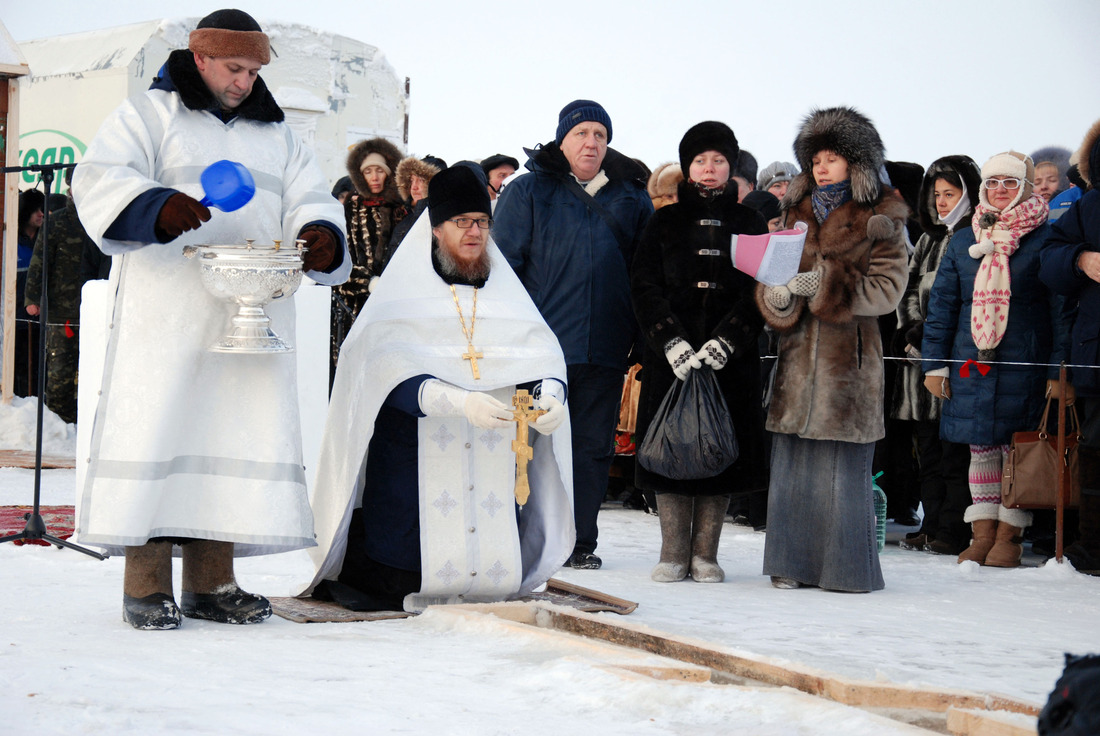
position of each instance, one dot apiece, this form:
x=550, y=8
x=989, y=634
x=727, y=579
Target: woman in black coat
x=698, y=313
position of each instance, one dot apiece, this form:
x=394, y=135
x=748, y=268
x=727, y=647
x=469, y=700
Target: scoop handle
x=206, y=202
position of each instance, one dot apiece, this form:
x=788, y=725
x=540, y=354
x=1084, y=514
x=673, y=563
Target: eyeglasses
x=465, y=223
x=1011, y=183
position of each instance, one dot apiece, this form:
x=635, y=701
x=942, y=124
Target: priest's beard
x=464, y=271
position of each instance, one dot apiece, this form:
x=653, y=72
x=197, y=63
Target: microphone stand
x=35, y=528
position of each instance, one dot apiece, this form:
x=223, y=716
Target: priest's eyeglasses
x=1010, y=183
x=465, y=223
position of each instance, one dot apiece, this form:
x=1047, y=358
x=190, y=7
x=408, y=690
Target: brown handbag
x=1030, y=479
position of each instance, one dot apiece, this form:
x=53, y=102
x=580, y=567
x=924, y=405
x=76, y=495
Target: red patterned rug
x=58, y=519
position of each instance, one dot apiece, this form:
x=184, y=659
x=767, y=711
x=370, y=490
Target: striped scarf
x=998, y=236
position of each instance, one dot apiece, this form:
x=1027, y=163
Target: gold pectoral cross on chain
x=472, y=355
x=523, y=414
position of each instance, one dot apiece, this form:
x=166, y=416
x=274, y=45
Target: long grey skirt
x=821, y=516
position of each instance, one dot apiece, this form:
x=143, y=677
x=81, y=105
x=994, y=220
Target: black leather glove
x=320, y=248
x=179, y=214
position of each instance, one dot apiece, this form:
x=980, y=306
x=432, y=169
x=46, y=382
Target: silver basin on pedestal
x=250, y=276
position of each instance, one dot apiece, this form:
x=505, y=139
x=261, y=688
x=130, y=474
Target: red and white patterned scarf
x=996, y=242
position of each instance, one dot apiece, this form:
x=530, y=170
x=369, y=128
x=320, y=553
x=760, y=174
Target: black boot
x=210, y=589
x=1084, y=554
x=147, y=601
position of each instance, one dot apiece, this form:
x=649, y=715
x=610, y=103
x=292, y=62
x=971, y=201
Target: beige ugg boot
x=1007, y=548
x=982, y=518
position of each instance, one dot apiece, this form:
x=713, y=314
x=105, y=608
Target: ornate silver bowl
x=250, y=276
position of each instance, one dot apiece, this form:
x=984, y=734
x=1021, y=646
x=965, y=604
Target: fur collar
x=410, y=167
x=1088, y=156
x=182, y=76
x=550, y=160
x=849, y=224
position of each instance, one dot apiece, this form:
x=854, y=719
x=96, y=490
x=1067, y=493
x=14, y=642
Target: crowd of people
x=476, y=301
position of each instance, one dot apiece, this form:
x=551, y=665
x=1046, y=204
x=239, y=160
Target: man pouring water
x=190, y=447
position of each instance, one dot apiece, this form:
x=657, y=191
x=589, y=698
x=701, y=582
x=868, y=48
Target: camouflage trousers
x=62, y=358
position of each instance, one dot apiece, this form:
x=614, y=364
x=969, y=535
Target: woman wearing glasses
x=988, y=305
x=697, y=313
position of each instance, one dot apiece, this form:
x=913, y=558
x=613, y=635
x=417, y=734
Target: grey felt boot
x=147, y=601
x=674, y=511
x=706, y=529
x=210, y=589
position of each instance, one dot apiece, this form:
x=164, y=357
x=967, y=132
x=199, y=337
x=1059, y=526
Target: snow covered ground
x=70, y=665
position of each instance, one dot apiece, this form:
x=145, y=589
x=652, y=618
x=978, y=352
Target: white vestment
x=470, y=546
x=187, y=442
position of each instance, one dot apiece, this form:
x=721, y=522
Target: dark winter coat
x=1075, y=232
x=911, y=400
x=986, y=410
x=684, y=285
x=568, y=257
x=829, y=375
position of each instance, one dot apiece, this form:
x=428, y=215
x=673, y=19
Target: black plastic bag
x=691, y=436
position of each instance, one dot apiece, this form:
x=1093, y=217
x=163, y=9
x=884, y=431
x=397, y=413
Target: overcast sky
x=936, y=77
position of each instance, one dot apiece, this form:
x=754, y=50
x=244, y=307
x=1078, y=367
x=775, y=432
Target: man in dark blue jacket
x=569, y=229
x=1071, y=266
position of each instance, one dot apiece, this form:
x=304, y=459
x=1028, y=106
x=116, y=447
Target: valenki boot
x=674, y=511
x=706, y=529
x=147, y=601
x=210, y=589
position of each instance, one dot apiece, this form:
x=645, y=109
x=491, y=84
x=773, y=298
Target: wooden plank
x=964, y=722
x=859, y=693
x=310, y=611
x=25, y=459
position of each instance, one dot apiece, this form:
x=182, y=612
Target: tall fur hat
x=846, y=131
x=1088, y=155
x=410, y=167
x=709, y=135
x=360, y=151
x=230, y=32
x=962, y=168
x=1010, y=163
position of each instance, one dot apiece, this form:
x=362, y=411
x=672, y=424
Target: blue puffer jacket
x=1076, y=231
x=569, y=259
x=986, y=410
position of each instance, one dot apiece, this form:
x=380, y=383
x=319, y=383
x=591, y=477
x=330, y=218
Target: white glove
x=715, y=353
x=440, y=399
x=805, y=283
x=554, y=416
x=682, y=358
x=777, y=297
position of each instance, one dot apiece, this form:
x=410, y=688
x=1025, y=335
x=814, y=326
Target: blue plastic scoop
x=228, y=185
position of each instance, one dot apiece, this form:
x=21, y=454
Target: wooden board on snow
x=25, y=459
x=558, y=592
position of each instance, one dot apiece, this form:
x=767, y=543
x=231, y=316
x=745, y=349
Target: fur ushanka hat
x=846, y=131
x=377, y=146
x=709, y=135
x=230, y=32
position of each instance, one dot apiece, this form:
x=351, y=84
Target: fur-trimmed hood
x=386, y=150
x=849, y=133
x=180, y=75
x=410, y=167
x=966, y=169
x=1088, y=155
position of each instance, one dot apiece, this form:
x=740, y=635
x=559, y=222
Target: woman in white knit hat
x=988, y=305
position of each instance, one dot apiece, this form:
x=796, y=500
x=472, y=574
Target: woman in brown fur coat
x=371, y=214
x=827, y=404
